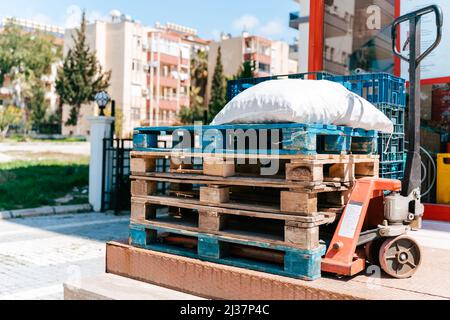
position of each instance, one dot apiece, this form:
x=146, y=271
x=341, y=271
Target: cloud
x=73, y=16
x=42, y=18
x=246, y=22
x=272, y=29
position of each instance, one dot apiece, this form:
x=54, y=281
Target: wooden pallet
x=283, y=139
x=232, y=251
x=252, y=222
x=312, y=169
x=306, y=201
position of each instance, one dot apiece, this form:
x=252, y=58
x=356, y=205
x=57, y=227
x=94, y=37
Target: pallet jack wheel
x=400, y=257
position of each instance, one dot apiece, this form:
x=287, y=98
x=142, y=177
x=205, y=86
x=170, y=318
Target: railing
x=116, y=186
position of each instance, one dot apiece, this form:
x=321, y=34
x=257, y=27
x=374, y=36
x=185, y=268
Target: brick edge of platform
x=208, y=280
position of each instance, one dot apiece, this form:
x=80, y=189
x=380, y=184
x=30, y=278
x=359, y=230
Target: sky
x=268, y=18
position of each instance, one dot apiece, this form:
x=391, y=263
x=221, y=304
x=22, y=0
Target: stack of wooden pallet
x=220, y=207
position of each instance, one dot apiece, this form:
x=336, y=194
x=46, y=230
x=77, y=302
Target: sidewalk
x=39, y=254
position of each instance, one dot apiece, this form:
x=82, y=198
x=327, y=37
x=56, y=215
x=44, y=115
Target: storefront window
x=436, y=117
x=358, y=36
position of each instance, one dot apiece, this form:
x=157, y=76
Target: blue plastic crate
x=392, y=170
x=377, y=88
x=396, y=114
x=235, y=87
x=391, y=147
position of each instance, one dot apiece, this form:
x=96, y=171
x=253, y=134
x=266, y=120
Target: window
x=135, y=114
x=355, y=45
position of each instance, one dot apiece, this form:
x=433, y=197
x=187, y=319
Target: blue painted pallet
x=299, y=264
x=281, y=139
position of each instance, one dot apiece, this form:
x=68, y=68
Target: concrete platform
x=213, y=281
x=112, y=287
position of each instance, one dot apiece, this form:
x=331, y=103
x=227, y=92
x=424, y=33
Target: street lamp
x=102, y=98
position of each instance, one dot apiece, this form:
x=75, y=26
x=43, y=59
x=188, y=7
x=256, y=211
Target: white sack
x=303, y=101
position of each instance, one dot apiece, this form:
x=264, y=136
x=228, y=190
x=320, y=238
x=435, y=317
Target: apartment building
x=150, y=67
x=269, y=57
x=10, y=92
x=168, y=79
x=121, y=46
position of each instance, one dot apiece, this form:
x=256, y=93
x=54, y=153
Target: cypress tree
x=218, y=88
x=81, y=76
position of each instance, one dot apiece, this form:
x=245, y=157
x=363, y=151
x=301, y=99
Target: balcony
x=258, y=58
x=170, y=59
x=295, y=20
x=169, y=82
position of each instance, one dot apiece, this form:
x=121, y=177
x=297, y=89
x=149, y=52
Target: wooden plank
x=210, y=221
x=219, y=168
x=242, y=181
x=299, y=202
x=215, y=195
x=367, y=169
x=342, y=172
x=140, y=210
x=264, y=212
x=142, y=165
x=304, y=238
x=143, y=188
x=304, y=172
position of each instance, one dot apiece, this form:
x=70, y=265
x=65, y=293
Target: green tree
x=25, y=57
x=247, y=70
x=218, y=88
x=196, y=111
x=37, y=106
x=81, y=76
x=199, y=80
x=9, y=116
x=199, y=74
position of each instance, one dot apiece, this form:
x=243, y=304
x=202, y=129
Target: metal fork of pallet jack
x=370, y=217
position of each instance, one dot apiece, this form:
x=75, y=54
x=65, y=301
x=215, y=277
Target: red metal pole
x=316, y=35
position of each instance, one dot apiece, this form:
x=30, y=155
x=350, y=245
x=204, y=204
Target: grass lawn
x=32, y=184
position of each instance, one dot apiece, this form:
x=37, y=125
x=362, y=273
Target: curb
x=44, y=211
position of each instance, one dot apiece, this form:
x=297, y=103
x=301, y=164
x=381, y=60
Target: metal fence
x=116, y=185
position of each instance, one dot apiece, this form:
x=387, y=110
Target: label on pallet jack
x=351, y=220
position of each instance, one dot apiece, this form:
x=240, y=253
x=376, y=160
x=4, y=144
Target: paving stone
x=39, y=254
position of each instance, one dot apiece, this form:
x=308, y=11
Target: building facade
x=168, y=79
x=150, y=80
x=268, y=57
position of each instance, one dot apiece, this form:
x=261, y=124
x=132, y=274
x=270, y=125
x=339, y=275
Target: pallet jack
x=381, y=212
